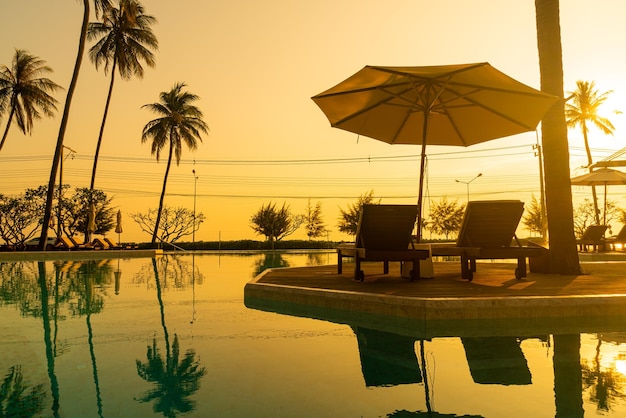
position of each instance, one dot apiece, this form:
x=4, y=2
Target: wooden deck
x=532, y=304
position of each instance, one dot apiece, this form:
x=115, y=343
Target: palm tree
x=23, y=91
x=583, y=112
x=563, y=256
x=125, y=39
x=100, y=5
x=180, y=122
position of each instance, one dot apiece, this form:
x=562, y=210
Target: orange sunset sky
x=255, y=66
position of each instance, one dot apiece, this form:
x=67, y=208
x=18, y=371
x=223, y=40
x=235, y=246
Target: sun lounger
x=488, y=232
x=383, y=234
x=79, y=245
x=112, y=245
x=593, y=237
x=100, y=244
x=64, y=243
x=619, y=239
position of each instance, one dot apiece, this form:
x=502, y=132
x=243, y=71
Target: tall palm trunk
x=104, y=118
x=563, y=256
x=6, y=130
x=97, y=153
x=167, y=171
x=596, y=211
x=58, y=152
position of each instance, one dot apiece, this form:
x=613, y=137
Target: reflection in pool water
x=171, y=336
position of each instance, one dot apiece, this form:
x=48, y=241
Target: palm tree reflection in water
x=605, y=384
x=175, y=380
x=18, y=399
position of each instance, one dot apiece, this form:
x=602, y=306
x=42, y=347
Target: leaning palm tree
x=180, y=122
x=23, y=92
x=125, y=39
x=583, y=111
x=100, y=5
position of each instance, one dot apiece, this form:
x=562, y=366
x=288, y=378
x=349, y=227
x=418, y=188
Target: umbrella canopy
x=91, y=226
x=601, y=177
x=461, y=105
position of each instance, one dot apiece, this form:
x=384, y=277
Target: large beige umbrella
x=91, y=225
x=460, y=105
x=601, y=177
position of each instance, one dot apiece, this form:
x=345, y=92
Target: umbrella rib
x=467, y=96
x=384, y=101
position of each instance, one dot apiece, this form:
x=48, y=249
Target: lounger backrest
x=65, y=242
x=386, y=227
x=594, y=232
x=490, y=223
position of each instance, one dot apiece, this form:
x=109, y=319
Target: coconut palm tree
x=100, y=5
x=23, y=92
x=583, y=111
x=180, y=122
x=563, y=256
x=125, y=39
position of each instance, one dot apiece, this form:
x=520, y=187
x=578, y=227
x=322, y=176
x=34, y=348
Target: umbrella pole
x=604, y=216
x=422, y=169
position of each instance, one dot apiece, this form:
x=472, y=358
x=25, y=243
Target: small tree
x=313, y=220
x=532, y=218
x=445, y=217
x=349, y=219
x=174, y=223
x=275, y=224
x=75, y=211
x=20, y=219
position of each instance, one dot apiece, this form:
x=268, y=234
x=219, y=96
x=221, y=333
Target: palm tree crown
x=24, y=93
x=125, y=39
x=181, y=121
x=584, y=111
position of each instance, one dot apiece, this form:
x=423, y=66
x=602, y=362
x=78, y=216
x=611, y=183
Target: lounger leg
x=358, y=273
x=339, y=262
x=466, y=270
x=415, y=273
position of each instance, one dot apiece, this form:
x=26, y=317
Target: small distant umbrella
x=118, y=226
x=602, y=177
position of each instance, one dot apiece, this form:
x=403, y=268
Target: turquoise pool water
x=172, y=336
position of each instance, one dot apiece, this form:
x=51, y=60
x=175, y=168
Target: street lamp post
x=193, y=231
x=467, y=184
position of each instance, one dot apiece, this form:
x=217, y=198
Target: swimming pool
x=171, y=336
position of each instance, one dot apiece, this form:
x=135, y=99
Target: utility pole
x=59, y=222
x=193, y=231
x=542, y=198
